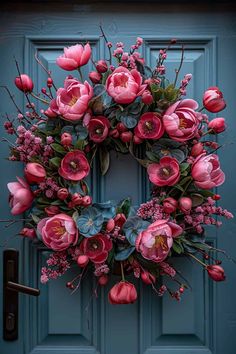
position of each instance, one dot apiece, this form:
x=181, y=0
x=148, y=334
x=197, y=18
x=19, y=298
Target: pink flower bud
x=66, y=139
x=120, y=219
x=137, y=140
x=24, y=83
x=43, y=90
x=30, y=233
x=114, y=133
x=110, y=225
x=217, y=125
x=103, y=279
x=197, y=149
x=216, y=272
x=101, y=66
x=87, y=200
x=213, y=100
x=62, y=193
x=121, y=127
x=49, y=82
x=147, y=97
x=34, y=172
x=95, y=77
x=52, y=210
x=50, y=113
x=170, y=205
x=126, y=137
x=148, y=278
x=77, y=199
x=185, y=204
x=82, y=261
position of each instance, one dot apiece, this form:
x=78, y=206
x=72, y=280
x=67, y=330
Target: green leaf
x=79, y=144
x=184, y=166
x=58, y=148
x=125, y=206
x=55, y=161
x=35, y=218
x=104, y=158
x=197, y=199
x=177, y=247
x=152, y=156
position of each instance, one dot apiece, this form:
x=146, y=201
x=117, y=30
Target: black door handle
x=11, y=288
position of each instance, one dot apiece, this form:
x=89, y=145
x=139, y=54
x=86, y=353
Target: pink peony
x=124, y=85
x=34, y=172
x=206, y=171
x=58, y=232
x=72, y=100
x=217, y=125
x=122, y=293
x=74, y=57
x=164, y=173
x=74, y=166
x=180, y=120
x=98, y=128
x=213, y=100
x=155, y=242
x=21, y=196
x=149, y=126
x=96, y=248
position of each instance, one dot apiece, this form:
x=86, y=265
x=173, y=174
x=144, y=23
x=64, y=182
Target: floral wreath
x=125, y=106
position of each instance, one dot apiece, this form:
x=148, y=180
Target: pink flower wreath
x=124, y=106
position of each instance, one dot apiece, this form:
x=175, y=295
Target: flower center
x=73, y=165
x=94, y=245
x=165, y=152
x=182, y=124
x=90, y=222
x=149, y=125
x=58, y=230
x=165, y=171
x=73, y=100
x=98, y=131
x=160, y=241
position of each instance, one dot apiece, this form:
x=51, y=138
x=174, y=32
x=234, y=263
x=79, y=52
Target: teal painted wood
x=205, y=321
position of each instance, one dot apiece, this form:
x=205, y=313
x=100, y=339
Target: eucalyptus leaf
x=129, y=121
x=104, y=158
x=123, y=254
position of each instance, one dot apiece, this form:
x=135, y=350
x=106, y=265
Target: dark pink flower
x=58, y=232
x=34, y=172
x=95, y=77
x=24, y=83
x=185, y=204
x=96, y=248
x=164, y=173
x=213, y=100
x=206, y=172
x=216, y=272
x=149, y=126
x=147, y=97
x=98, y=128
x=21, y=196
x=101, y=66
x=74, y=166
x=66, y=139
x=181, y=121
x=169, y=205
x=122, y=293
x=74, y=57
x=124, y=85
x=217, y=125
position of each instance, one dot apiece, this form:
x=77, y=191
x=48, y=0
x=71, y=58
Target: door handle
x=11, y=288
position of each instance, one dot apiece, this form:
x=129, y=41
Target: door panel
x=57, y=322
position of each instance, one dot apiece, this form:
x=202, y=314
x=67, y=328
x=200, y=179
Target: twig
x=45, y=69
x=106, y=40
x=180, y=66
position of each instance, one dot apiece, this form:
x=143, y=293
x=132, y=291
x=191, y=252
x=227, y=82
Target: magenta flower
x=206, y=172
x=122, y=293
x=58, y=232
x=213, y=100
x=180, y=120
x=74, y=57
x=124, y=85
x=98, y=128
x=34, y=172
x=96, y=248
x=74, y=166
x=21, y=196
x=149, y=126
x=24, y=83
x=164, y=173
x=72, y=100
x=155, y=242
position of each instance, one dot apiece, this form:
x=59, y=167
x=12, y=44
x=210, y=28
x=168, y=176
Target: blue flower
x=107, y=209
x=90, y=222
x=132, y=228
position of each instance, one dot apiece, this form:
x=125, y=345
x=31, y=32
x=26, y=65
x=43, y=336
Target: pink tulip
x=74, y=57
x=72, y=100
x=185, y=204
x=74, y=166
x=95, y=77
x=217, y=125
x=206, y=171
x=62, y=193
x=124, y=85
x=21, y=196
x=164, y=173
x=101, y=66
x=169, y=205
x=149, y=126
x=213, y=100
x=34, y=172
x=180, y=120
x=24, y=83
x=147, y=97
x=216, y=272
x=155, y=242
x=122, y=293
x=58, y=232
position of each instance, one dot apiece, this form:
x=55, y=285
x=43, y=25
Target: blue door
x=205, y=321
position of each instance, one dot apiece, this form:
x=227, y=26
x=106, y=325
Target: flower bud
x=197, y=149
x=126, y=137
x=137, y=140
x=24, y=83
x=101, y=66
x=114, y=133
x=77, y=199
x=185, y=204
x=82, y=261
x=34, y=172
x=103, y=280
x=217, y=125
x=147, y=277
x=62, y=193
x=216, y=272
x=66, y=139
x=52, y=210
x=169, y=205
x=87, y=200
x=120, y=219
x=110, y=225
x=49, y=82
x=30, y=233
x=213, y=100
x=122, y=293
x=121, y=127
x=147, y=97
x=95, y=77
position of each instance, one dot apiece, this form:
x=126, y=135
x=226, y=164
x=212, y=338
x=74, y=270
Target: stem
x=201, y=109
x=39, y=98
x=12, y=99
x=198, y=260
x=80, y=74
x=122, y=271
x=180, y=66
x=208, y=132
x=45, y=69
x=188, y=184
x=106, y=40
